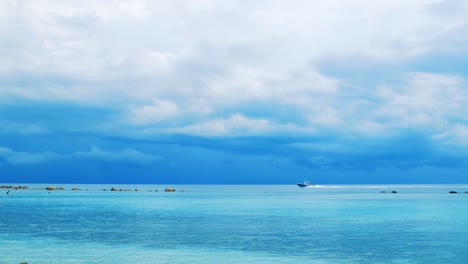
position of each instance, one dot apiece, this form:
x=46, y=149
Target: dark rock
x=169, y=190
x=113, y=189
x=10, y=187
x=51, y=188
x=452, y=192
x=76, y=189
x=394, y=192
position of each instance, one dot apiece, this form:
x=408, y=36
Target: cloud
x=95, y=53
x=19, y=128
x=240, y=70
x=427, y=102
x=235, y=124
x=125, y=155
x=455, y=136
x=408, y=151
x=238, y=125
x=27, y=158
x=272, y=49
x=425, y=98
x=160, y=110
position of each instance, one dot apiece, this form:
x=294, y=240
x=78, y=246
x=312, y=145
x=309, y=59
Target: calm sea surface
x=235, y=224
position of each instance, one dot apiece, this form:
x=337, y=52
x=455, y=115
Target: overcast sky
x=234, y=91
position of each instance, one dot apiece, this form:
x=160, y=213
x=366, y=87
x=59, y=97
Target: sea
x=234, y=224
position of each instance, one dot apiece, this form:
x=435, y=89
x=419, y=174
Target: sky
x=234, y=92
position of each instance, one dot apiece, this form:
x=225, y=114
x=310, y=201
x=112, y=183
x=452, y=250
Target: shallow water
x=235, y=224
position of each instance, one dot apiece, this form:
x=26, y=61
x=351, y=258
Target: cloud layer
x=313, y=77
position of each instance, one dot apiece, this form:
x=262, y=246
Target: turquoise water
x=235, y=224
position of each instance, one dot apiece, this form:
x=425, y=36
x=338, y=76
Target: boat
x=304, y=184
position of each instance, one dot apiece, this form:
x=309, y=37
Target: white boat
x=304, y=184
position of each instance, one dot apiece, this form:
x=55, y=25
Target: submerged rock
x=383, y=191
x=76, y=189
x=13, y=187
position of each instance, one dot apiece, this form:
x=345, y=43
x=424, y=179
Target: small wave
x=386, y=186
x=328, y=186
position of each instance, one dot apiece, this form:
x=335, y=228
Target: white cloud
x=214, y=58
x=128, y=155
x=428, y=100
x=116, y=40
x=455, y=135
x=25, y=129
x=239, y=125
x=235, y=124
x=26, y=158
x=327, y=116
x=158, y=111
x=125, y=155
x=244, y=84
